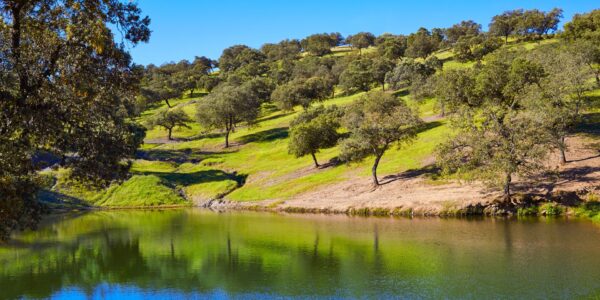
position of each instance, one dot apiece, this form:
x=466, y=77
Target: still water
x=196, y=253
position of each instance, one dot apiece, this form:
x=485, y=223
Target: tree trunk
x=227, y=138
x=507, y=183
x=168, y=104
x=170, y=132
x=374, y=170
x=598, y=79
x=315, y=160
x=383, y=86
x=442, y=109
x=563, y=157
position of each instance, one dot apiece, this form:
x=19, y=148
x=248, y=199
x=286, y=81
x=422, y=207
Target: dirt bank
x=413, y=193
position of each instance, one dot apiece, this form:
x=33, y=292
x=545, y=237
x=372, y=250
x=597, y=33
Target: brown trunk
x=170, y=132
x=168, y=104
x=563, y=157
x=315, y=160
x=507, y=183
x=227, y=138
x=383, y=86
x=374, y=170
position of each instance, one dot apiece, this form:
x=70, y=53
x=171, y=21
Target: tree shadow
x=428, y=126
x=204, y=176
x=265, y=136
x=413, y=173
x=401, y=92
x=178, y=156
x=60, y=200
x=273, y=117
x=590, y=124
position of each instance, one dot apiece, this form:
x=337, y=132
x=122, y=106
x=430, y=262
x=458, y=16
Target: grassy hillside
x=196, y=167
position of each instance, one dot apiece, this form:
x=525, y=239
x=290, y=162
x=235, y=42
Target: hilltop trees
x=169, y=119
x=475, y=47
x=313, y=130
x=284, y=50
x=422, y=43
x=525, y=23
x=243, y=59
x=463, y=29
x=584, y=34
x=321, y=44
x=358, y=75
x=66, y=88
x=391, y=46
x=376, y=122
x=361, y=40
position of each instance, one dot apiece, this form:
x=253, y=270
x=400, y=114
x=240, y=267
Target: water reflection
x=202, y=253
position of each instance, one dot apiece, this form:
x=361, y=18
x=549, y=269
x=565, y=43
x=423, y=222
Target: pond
x=196, y=253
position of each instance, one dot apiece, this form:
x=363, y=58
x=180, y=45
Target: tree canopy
x=67, y=88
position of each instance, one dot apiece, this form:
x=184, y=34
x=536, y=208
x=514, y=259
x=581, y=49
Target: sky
x=183, y=29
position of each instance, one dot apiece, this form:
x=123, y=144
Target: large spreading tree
x=377, y=122
x=66, y=87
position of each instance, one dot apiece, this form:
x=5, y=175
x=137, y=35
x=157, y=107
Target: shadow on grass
x=429, y=125
x=178, y=156
x=265, y=136
x=205, y=176
x=590, y=124
x=60, y=200
x=401, y=92
x=274, y=117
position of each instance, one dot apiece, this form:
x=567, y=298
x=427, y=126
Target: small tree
x=376, y=122
x=313, y=130
x=301, y=92
x=228, y=106
x=169, y=119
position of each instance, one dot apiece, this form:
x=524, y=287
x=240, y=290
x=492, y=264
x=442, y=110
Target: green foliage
x=422, y=43
x=169, y=119
x=376, y=122
x=391, y=46
x=228, y=106
x=361, y=40
x=497, y=134
x=463, y=29
x=241, y=57
x=552, y=209
x=525, y=23
x=313, y=130
x=302, y=92
x=286, y=49
x=528, y=211
x=321, y=44
x=358, y=75
x=475, y=47
x=66, y=87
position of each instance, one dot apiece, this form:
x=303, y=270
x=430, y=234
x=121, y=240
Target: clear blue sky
x=182, y=29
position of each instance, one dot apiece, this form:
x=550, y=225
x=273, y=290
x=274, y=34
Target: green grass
x=139, y=190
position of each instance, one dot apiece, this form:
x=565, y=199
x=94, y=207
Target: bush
x=552, y=209
x=528, y=211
